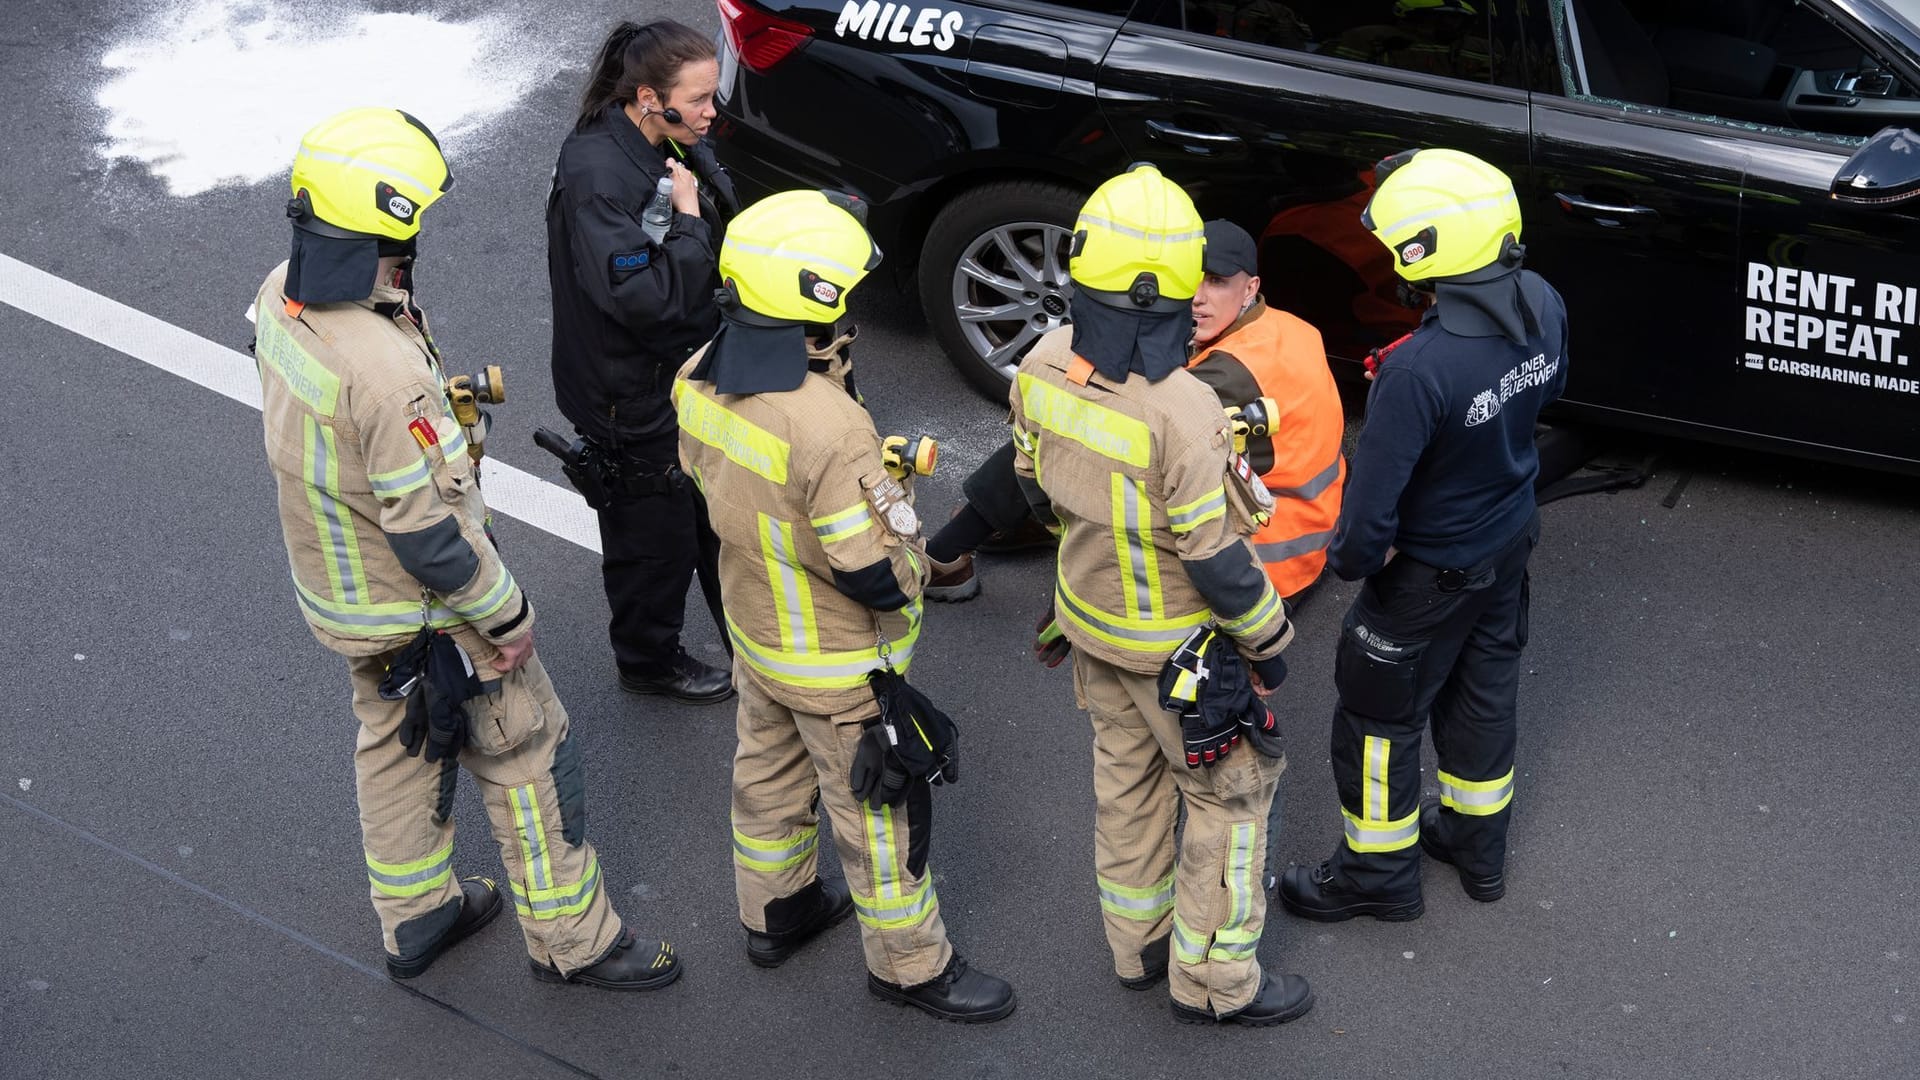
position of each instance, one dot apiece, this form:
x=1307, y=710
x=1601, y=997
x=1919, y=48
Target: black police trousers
x=1422, y=643
x=653, y=539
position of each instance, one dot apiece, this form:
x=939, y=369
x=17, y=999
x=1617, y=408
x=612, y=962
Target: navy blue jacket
x=1445, y=465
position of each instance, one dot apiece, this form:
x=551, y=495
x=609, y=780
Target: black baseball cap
x=1230, y=250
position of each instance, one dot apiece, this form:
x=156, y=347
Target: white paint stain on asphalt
x=26, y=784
x=218, y=92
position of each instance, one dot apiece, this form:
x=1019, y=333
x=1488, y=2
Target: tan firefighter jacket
x=382, y=514
x=815, y=559
x=1140, y=476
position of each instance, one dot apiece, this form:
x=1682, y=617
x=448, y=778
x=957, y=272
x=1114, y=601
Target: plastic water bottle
x=659, y=212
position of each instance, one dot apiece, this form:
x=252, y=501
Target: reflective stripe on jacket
x=1136, y=474
x=378, y=497
x=786, y=477
x=1269, y=353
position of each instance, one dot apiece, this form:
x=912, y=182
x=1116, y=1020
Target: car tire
x=999, y=249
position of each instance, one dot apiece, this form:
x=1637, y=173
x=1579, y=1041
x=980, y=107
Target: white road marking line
x=229, y=372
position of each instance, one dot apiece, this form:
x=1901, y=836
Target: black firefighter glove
x=910, y=741
x=1229, y=690
x=437, y=692
x=1209, y=733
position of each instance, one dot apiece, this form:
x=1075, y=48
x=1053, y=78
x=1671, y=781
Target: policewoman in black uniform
x=1439, y=518
x=627, y=312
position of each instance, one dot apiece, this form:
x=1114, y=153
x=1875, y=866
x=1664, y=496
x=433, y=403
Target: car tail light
x=761, y=38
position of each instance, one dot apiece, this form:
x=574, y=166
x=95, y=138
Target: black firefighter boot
x=623, y=967
x=1313, y=892
x=1287, y=997
x=794, y=920
x=959, y=993
x=479, y=903
x=1484, y=889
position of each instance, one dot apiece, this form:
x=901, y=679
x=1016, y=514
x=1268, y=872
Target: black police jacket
x=627, y=312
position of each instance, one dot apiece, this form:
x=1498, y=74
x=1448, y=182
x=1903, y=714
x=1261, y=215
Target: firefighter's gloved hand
x=1050, y=646
x=878, y=776
x=1208, y=738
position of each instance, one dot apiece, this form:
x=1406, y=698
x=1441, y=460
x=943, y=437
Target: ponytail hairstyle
x=634, y=56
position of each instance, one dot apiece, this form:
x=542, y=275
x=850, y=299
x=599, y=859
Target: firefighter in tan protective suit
x=1129, y=455
x=822, y=573
x=386, y=536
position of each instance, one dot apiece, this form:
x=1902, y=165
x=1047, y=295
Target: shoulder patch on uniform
x=622, y=264
x=891, y=505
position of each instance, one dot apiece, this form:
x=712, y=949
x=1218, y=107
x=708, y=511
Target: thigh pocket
x=1243, y=772
x=512, y=714
x=1376, y=675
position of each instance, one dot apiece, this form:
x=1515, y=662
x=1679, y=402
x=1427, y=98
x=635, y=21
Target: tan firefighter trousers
x=530, y=777
x=784, y=759
x=1214, y=904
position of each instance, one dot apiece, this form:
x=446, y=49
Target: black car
x=1702, y=179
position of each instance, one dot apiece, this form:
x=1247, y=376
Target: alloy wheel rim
x=1009, y=288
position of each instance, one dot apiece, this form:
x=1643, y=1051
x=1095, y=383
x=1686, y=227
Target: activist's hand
x=1050, y=646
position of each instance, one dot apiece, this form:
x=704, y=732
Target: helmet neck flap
x=1119, y=342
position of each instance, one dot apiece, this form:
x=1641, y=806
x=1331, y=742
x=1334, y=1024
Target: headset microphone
x=669, y=114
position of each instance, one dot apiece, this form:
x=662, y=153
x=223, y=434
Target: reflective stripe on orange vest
x=1288, y=362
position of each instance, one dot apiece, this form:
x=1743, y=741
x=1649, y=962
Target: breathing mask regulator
x=909, y=455
x=1254, y=420
x=466, y=393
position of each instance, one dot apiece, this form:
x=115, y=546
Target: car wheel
x=993, y=275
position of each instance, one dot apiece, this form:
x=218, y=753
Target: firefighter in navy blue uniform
x=627, y=312
x=1440, y=520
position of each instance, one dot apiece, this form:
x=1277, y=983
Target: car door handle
x=1605, y=214
x=1200, y=142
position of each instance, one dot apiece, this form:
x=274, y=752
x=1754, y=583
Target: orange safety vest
x=1301, y=461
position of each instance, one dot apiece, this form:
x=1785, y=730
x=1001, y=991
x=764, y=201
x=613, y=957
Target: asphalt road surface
x=1713, y=868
